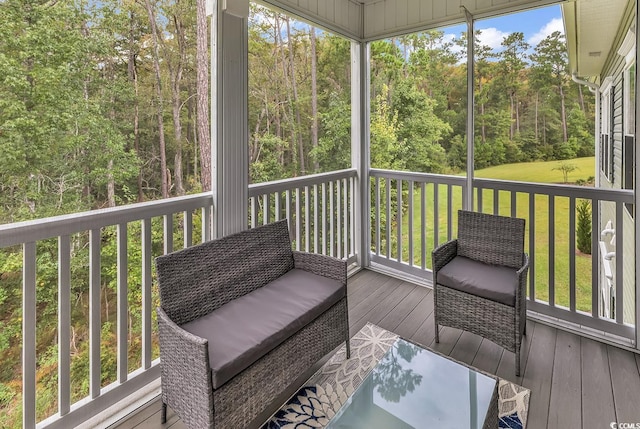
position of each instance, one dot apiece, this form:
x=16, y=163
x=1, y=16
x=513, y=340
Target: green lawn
x=541, y=172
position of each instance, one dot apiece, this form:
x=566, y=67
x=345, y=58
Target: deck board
x=466, y=348
x=488, y=356
x=538, y=374
x=507, y=366
x=410, y=324
x=575, y=382
x=626, y=395
x=598, y=408
x=565, y=402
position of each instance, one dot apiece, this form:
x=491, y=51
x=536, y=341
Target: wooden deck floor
x=575, y=382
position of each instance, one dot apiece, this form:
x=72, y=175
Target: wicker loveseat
x=479, y=280
x=240, y=318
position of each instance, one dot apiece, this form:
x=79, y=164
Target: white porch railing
x=428, y=203
x=321, y=219
x=412, y=213
x=547, y=203
x=318, y=207
x=72, y=233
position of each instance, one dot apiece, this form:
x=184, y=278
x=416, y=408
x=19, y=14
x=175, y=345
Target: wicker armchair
x=479, y=280
x=240, y=318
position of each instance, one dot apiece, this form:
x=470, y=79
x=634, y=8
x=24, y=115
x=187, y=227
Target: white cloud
x=554, y=25
x=492, y=37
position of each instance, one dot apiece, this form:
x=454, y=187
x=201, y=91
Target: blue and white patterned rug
x=330, y=387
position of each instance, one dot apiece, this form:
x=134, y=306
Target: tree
x=202, y=90
x=513, y=61
x=584, y=226
x=419, y=128
x=551, y=64
x=314, y=95
x=565, y=168
x=155, y=43
x=483, y=74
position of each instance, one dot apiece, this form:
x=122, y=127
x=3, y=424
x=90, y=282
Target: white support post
x=360, y=145
x=635, y=187
x=467, y=202
x=229, y=117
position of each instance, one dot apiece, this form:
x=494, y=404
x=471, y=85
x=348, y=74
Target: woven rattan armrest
x=186, y=373
x=525, y=266
x=322, y=265
x=522, y=276
x=521, y=292
x=443, y=254
x=188, y=338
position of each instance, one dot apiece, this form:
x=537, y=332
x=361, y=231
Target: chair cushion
x=245, y=329
x=492, y=282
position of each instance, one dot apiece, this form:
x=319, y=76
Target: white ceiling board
x=591, y=28
x=435, y=14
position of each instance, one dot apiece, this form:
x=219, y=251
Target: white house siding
x=614, y=68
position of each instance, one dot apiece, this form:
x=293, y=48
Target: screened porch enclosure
x=382, y=220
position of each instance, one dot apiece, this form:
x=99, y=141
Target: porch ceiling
x=591, y=27
x=365, y=20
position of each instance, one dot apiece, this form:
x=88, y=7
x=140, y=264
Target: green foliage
x=6, y=394
x=267, y=164
x=419, y=128
x=333, y=150
x=457, y=154
x=583, y=227
x=565, y=168
x=387, y=150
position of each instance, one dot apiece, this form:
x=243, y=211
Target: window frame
x=628, y=128
x=606, y=138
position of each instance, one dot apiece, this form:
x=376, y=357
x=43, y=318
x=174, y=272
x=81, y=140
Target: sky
x=536, y=24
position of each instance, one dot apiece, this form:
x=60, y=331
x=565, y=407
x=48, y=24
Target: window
x=629, y=124
x=606, y=139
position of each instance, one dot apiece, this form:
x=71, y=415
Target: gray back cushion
x=491, y=239
x=195, y=281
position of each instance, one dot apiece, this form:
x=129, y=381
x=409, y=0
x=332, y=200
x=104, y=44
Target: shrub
x=584, y=226
x=7, y=394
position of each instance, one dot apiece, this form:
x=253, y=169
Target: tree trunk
x=314, y=97
x=133, y=77
x=536, y=115
x=159, y=101
x=517, y=115
x=483, y=126
x=296, y=107
x=564, y=115
x=176, y=101
x=581, y=98
x=111, y=186
x=292, y=143
x=202, y=84
x=277, y=91
x=511, y=116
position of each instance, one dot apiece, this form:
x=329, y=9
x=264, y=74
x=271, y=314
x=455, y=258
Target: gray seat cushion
x=492, y=282
x=245, y=329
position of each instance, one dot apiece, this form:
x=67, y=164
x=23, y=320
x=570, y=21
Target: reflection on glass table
x=412, y=387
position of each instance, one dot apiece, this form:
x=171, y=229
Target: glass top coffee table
x=412, y=387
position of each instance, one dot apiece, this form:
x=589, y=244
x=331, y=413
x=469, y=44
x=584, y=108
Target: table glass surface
x=412, y=387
